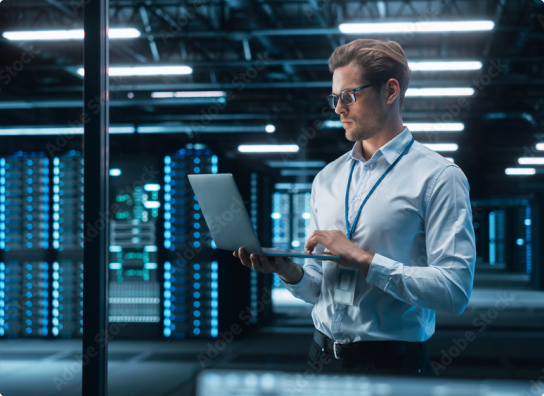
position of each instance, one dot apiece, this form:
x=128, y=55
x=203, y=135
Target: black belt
x=362, y=349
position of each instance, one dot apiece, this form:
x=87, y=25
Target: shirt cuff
x=379, y=271
x=304, y=284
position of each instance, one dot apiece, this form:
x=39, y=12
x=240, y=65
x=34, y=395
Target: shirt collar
x=391, y=150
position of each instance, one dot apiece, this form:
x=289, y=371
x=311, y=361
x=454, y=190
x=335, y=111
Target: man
x=396, y=213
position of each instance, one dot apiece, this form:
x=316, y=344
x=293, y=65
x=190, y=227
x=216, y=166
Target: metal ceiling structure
x=272, y=56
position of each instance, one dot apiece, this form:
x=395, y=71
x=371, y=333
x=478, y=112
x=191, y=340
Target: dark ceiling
x=272, y=55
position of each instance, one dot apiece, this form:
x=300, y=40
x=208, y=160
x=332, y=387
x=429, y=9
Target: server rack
x=167, y=279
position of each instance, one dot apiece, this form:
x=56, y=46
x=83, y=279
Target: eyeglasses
x=347, y=96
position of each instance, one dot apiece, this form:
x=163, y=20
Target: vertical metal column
x=96, y=214
x=537, y=227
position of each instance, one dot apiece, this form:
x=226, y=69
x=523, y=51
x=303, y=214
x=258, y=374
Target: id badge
x=345, y=285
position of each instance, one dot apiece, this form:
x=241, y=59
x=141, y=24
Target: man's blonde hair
x=378, y=60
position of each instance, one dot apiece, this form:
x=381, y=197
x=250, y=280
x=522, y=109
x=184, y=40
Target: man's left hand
x=338, y=244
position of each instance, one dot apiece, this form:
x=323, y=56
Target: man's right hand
x=286, y=269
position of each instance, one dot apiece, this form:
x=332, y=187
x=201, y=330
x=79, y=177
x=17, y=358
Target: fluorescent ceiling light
x=270, y=128
x=445, y=65
x=204, y=129
x=531, y=161
x=435, y=127
x=122, y=129
x=416, y=27
x=413, y=127
x=441, y=146
x=74, y=34
x=540, y=146
x=268, y=148
x=520, y=171
x=418, y=92
x=450, y=159
x=23, y=130
x=146, y=71
x=115, y=172
x=296, y=164
x=164, y=129
x=187, y=94
x=124, y=33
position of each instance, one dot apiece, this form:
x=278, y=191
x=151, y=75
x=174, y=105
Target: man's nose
x=341, y=108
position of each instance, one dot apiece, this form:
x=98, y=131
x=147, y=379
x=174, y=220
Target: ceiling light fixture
x=416, y=27
x=268, y=148
x=531, y=161
x=74, y=34
x=188, y=94
x=419, y=92
x=441, y=146
x=445, y=66
x=520, y=171
x=58, y=130
x=413, y=127
x=146, y=71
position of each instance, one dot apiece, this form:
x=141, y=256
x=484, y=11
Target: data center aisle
x=506, y=342
x=164, y=369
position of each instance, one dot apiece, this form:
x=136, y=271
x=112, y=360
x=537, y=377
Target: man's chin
x=351, y=136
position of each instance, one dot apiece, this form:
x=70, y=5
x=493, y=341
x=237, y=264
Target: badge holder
x=344, y=292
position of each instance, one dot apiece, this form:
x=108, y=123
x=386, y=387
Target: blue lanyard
x=350, y=233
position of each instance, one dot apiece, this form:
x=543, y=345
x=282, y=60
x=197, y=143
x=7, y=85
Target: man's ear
x=392, y=89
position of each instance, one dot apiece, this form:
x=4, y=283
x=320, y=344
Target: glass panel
x=41, y=204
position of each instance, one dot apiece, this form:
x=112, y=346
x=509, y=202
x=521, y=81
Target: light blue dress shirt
x=418, y=225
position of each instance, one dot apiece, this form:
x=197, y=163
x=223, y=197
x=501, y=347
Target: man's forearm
x=293, y=274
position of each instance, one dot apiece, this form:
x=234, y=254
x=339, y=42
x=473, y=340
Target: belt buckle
x=334, y=350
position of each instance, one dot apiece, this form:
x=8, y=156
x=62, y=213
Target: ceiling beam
x=281, y=62
x=186, y=86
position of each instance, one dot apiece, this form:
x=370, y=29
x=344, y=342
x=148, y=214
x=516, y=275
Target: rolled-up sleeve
x=309, y=287
x=445, y=284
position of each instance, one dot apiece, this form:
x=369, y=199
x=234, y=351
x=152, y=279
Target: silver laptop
x=228, y=220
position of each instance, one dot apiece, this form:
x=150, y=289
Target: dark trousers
x=415, y=361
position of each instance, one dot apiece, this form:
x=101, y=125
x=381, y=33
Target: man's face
x=364, y=118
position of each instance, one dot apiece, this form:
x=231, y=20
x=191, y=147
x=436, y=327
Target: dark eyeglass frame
x=332, y=99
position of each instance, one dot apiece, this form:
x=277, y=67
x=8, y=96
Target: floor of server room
x=509, y=347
